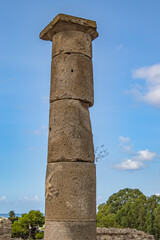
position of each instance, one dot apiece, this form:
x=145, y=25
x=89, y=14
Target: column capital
x=63, y=22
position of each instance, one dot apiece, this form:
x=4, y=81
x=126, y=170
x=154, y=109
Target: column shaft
x=70, y=192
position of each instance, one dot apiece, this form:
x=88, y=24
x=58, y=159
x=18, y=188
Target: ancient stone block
x=63, y=22
x=70, y=135
x=70, y=230
x=72, y=42
x=122, y=234
x=72, y=78
x=66, y=113
x=70, y=191
x=5, y=229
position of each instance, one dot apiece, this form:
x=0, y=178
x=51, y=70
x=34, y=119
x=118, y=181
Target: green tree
x=130, y=208
x=18, y=231
x=12, y=216
x=28, y=225
x=156, y=222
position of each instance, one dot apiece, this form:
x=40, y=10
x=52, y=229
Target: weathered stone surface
x=70, y=230
x=70, y=207
x=122, y=234
x=70, y=135
x=72, y=78
x=70, y=191
x=5, y=229
x=63, y=22
x=72, y=42
x=66, y=113
x=63, y=230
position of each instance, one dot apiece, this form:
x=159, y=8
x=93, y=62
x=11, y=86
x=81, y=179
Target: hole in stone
x=50, y=129
x=71, y=70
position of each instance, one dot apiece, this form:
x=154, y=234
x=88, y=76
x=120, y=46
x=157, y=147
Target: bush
x=40, y=235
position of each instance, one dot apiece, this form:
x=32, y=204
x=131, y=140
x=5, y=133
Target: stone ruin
x=122, y=234
x=70, y=190
x=102, y=233
x=5, y=229
x=70, y=208
x=118, y=234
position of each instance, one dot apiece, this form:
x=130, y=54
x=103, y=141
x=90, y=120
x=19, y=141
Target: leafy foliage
x=130, y=208
x=40, y=235
x=12, y=216
x=28, y=225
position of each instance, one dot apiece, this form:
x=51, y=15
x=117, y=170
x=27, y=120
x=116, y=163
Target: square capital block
x=63, y=22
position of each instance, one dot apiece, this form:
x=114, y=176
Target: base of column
x=70, y=230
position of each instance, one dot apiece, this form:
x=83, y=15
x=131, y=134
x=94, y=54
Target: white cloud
x=99, y=198
x=149, y=92
x=130, y=164
x=43, y=127
x=36, y=132
x=124, y=139
x=27, y=199
x=157, y=194
x=145, y=155
x=124, y=144
x=3, y=199
x=128, y=148
x=36, y=198
x=42, y=130
x=136, y=160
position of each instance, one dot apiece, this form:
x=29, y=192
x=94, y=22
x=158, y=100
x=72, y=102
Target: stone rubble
x=122, y=234
x=5, y=229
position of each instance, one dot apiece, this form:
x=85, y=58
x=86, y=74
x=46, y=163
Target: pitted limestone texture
x=5, y=229
x=72, y=78
x=122, y=234
x=68, y=42
x=70, y=134
x=70, y=230
x=70, y=191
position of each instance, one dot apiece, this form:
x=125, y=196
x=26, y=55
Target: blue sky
x=125, y=116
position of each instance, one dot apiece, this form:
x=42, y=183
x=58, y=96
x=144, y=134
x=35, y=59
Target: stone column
x=70, y=192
